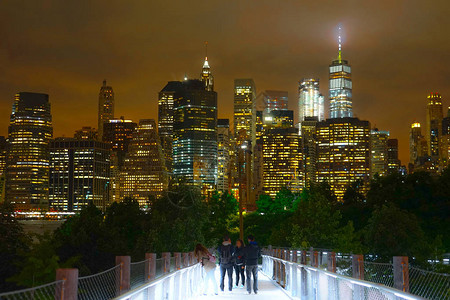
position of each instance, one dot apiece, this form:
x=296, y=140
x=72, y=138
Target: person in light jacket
x=208, y=262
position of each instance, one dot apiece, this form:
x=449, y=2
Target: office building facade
x=343, y=154
x=27, y=162
x=393, y=162
x=223, y=155
x=119, y=132
x=282, y=160
x=434, y=126
x=244, y=107
x=144, y=176
x=310, y=100
x=166, y=98
x=378, y=152
x=309, y=149
x=79, y=174
x=195, y=135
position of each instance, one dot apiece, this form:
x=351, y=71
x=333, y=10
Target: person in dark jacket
x=239, y=262
x=226, y=251
x=252, y=254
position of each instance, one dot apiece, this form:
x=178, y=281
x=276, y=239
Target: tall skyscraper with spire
x=105, y=107
x=340, y=89
x=206, y=76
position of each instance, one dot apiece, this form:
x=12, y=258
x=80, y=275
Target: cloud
x=399, y=52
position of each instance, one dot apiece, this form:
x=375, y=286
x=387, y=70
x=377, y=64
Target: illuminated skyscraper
x=27, y=166
x=309, y=148
x=206, y=75
x=378, y=152
x=144, y=175
x=79, y=174
x=167, y=96
x=416, y=143
x=434, y=125
x=3, y=154
x=282, y=160
x=445, y=141
x=340, y=89
x=244, y=107
x=105, y=107
x=119, y=132
x=259, y=125
x=223, y=156
x=418, y=149
x=393, y=163
x=310, y=100
x=343, y=153
x=195, y=134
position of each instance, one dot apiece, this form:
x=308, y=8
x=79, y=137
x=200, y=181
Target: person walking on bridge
x=252, y=254
x=208, y=262
x=226, y=251
x=239, y=262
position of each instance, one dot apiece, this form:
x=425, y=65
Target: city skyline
x=297, y=49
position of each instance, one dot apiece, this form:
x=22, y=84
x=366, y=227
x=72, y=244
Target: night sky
x=399, y=52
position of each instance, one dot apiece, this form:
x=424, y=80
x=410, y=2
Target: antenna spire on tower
x=206, y=50
x=340, y=42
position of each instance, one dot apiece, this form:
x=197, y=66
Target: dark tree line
x=400, y=215
x=90, y=240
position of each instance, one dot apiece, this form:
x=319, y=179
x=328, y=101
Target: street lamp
x=244, y=159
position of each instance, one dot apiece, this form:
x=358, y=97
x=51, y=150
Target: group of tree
x=398, y=215
x=91, y=239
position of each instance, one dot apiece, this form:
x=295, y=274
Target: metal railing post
x=358, y=266
x=283, y=268
x=166, y=262
x=303, y=257
x=315, y=259
x=294, y=256
x=177, y=279
x=331, y=263
x=177, y=260
x=124, y=276
x=358, y=273
x=185, y=259
x=69, y=288
x=150, y=266
x=192, y=259
x=401, y=273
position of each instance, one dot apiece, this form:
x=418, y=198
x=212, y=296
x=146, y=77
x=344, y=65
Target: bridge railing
x=46, y=291
x=179, y=284
x=398, y=274
x=126, y=280
x=307, y=282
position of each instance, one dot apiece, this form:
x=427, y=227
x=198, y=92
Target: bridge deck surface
x=267, y=290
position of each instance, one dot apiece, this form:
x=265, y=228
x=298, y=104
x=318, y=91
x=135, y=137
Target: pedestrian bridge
x=284, y=274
